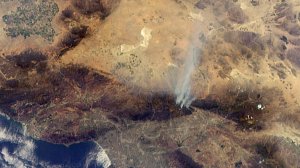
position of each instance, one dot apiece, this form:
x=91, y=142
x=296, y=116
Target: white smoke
x=183, y=89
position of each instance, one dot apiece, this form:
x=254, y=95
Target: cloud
x=23, y=153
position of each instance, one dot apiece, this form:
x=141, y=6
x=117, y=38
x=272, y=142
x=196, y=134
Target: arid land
x=107, y=70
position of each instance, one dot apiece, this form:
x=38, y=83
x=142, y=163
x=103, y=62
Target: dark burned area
x=77, y=32
x=242, y=110
x=35, y=85
x=179, y=159
x=72, y=39
x=266, y=153
x=89, y=7
x=100, y=7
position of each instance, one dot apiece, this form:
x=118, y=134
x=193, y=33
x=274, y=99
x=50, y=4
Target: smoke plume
x=183, y=89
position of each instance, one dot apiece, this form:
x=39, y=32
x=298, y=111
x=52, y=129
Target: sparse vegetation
x=133, y=62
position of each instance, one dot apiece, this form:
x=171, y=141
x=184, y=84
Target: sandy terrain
x=112, y=70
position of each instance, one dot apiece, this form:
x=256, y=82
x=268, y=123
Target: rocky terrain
x=109, y=71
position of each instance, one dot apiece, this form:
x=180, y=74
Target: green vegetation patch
x=32, y=17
